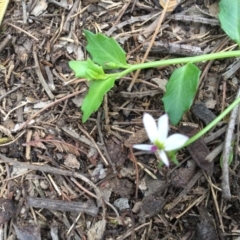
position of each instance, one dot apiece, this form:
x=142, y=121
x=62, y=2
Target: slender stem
x=201, y=58
x=213, y=123
x=195, y=59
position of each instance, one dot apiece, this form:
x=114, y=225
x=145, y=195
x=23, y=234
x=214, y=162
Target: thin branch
x=51, y=105
x=9, y=92
x=47, y=169
x=41, y=78
x=151, y=44
x=59, y=205
x=226, y=194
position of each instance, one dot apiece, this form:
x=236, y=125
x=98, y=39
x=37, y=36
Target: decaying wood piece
x=173, y=48
x=200, y=110
x=130, y=22
x=58, y=205
x=5, y=41
x=139, y=94
x=231, y=69
x=197, y=19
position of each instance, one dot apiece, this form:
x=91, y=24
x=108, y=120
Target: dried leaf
x=138, y=137
x=39, y=8
x=121, y=204
x=172, y=4
x=200, y=110
x=97, y=230
x=60, y=145
x=182, y=176
x=6, y=131
x=206, y=229
x=36, y=142
x=123, y=187
x=71, y=161
x=7, y=210
x=27, y=232
x=116, y=152
x=152, y=204
x=98, y=173
x=64, y=147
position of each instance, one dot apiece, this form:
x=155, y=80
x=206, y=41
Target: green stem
x=201, y=58
x=213, y=123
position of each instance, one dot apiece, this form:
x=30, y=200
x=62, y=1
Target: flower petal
x=151, y=127
x=164, y=158
x=163, y=128
x=175, y=141
x=144, y=147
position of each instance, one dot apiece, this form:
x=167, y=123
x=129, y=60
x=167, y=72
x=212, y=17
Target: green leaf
x=180, y=91
x=229, y=17
x=172, y=156
x=93, y=99
x=87, y=69
x=105, y=51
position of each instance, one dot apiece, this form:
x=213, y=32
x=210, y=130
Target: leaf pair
x=181, y=87
x=106, y=54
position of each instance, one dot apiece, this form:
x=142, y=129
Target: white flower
x=158, y=135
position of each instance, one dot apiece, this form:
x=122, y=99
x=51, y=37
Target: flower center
x=159, y=145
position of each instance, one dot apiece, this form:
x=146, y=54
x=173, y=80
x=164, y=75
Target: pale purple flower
x=158, y=135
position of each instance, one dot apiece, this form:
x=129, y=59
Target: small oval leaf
x=93, y=99
x=229, y=17
x=105, y=51
x=87, y=69
x=180, y=91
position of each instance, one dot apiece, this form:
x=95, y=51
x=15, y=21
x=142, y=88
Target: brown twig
x=226, y=194
x=215, y=201
x=47, y=169
x=96, y=146
x=21, y=30
x=103, y=143
x=5, y=41
x=40, y=76
x=51, y=105
x=62, y=146
x=150, y=45
x=59, y=205
x=9, y=92
x=134, y=160
x=209, y=64
x=69, y=19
